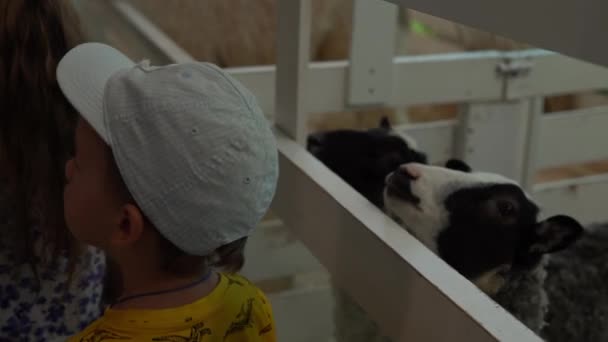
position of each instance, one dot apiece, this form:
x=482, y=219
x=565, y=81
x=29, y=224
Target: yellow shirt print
x=234, y=311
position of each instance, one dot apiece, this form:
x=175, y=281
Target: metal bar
x=372, y=52
x=293, y=55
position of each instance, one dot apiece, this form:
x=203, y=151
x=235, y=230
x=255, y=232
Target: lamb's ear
x=555, y=233
x=385, y=124
x=458, y=165
x=314, y=142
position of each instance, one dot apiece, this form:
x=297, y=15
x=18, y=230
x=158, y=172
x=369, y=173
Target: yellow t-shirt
x=235, y=310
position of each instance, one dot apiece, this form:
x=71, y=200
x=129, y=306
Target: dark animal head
x=363, y=158
x=483, y=225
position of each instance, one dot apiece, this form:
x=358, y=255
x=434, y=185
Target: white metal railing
x=336, y=223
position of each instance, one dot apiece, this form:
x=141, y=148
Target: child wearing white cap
x=174, y=167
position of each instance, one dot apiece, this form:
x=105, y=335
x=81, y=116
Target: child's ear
x=554, y=234
x=130, y=228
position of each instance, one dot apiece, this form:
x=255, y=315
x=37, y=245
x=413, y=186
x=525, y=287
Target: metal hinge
x=512, y=68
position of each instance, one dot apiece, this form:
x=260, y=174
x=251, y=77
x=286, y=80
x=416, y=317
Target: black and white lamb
x=483, y=225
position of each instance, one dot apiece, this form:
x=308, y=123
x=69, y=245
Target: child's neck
x=176, y=290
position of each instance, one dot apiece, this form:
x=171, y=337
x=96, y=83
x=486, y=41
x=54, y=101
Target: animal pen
x=503, y=94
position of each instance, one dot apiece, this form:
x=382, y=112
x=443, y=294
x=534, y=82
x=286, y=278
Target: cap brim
x=82, y=75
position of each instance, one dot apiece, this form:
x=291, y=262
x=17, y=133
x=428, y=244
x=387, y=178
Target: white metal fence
x=421, y=299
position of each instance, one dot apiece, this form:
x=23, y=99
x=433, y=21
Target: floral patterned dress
x=49, y=306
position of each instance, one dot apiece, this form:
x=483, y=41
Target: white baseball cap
x=191, y=143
